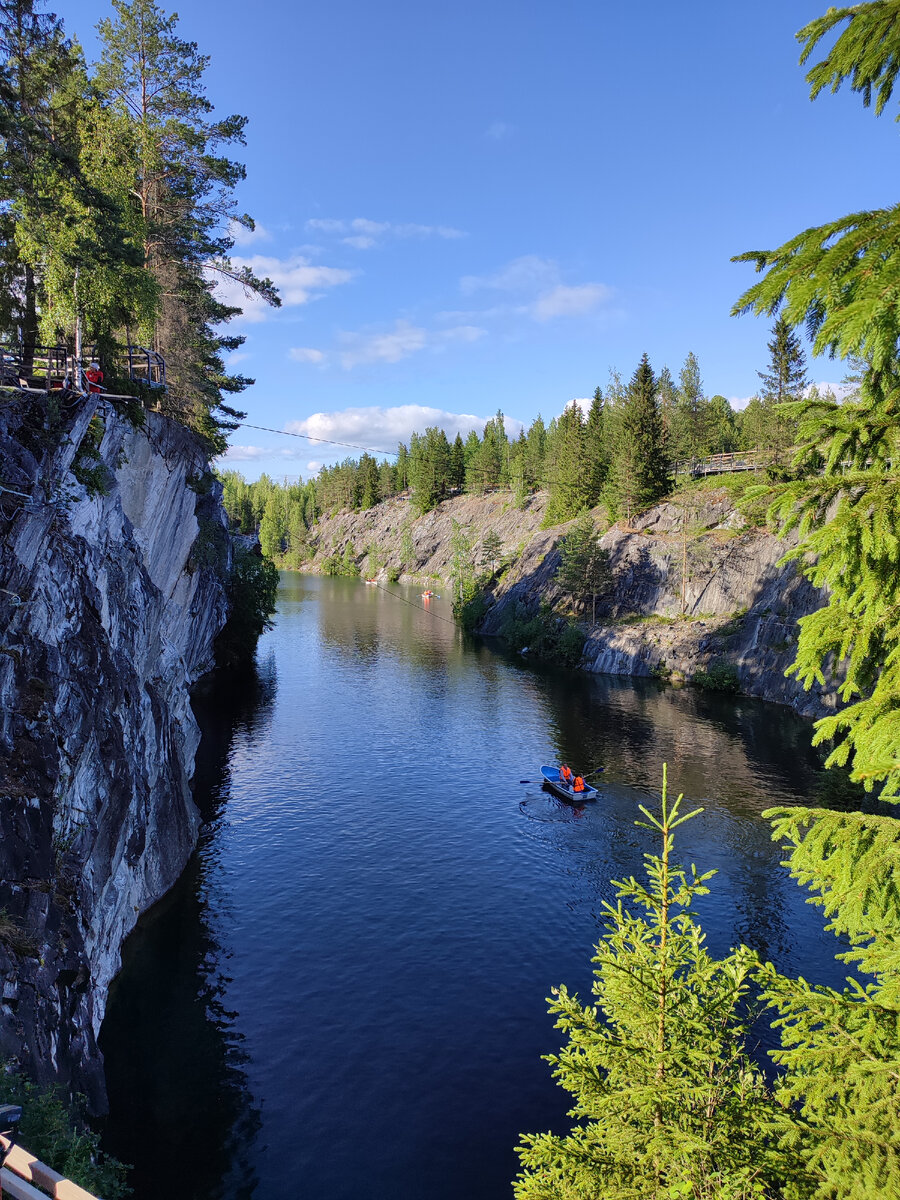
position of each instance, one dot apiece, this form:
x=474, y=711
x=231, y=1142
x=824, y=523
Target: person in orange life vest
x=578, y=785
x=94, y=377
x=565, y=774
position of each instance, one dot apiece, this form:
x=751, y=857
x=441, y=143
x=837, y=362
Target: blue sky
x=489, y=205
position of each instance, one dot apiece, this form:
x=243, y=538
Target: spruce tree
x=839, y=1058
x=641, y=470
x=667, y=1101
x=596, y=450
x=784, y=382
x=458, y=463
x=567, y=466
x=841, y=1049
x=584, y=570
x=690, y=420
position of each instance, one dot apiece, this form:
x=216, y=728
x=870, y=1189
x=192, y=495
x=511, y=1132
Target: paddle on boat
x=558, y=788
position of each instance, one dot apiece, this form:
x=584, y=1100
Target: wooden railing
x=23, y=1177
x=48, y=368
x=719, y=464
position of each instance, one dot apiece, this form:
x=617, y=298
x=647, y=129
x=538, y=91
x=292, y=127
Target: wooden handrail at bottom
x=21, y=1165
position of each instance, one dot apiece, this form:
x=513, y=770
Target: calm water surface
x=344, y=997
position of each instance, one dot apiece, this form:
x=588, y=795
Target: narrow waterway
x=344, y=997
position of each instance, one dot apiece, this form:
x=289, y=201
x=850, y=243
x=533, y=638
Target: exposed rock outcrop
x=110, y=606
x=740, y=606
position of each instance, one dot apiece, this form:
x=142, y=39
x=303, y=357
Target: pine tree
x=640, y=472
x=667, y=1101
x=184, y=192
x=70, y=250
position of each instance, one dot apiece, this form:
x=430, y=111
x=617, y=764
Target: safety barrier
x=720, y=464
x=23, y=1177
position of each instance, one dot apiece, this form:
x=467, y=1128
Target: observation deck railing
x=54, y=368
x=23, y=1177
x=720, y=464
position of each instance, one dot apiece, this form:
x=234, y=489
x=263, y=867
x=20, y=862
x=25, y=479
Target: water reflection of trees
x=180, y=1106
x=741, y=752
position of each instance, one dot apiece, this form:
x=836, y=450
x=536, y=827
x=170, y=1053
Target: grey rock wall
x=106, y=620
x=740, y=605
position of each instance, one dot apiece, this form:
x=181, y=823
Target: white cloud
x=314, y=466
x=243, y=236
x=306, y=354
x=381, y=429
x=562, y=301
x=460, y=333
x=297, y=280
x=528, y=274
x=363, y=234
x=536, y=286
x=497, y=130
x=583, y=402
x=403, y=340
x=840, y=391
x=371, y=228
x=326, y=225
x=237, y=453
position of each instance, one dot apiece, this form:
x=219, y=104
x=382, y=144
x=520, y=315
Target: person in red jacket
x=565, y=774
x=94, y=377
x=578, y=785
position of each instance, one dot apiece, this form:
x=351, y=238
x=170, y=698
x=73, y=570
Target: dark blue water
x=344, y=997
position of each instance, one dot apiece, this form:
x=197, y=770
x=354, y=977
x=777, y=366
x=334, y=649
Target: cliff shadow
x=180, y=1107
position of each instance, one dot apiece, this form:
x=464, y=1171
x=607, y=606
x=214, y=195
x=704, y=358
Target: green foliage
x=569, y=479
x=491, y=549
x=545, y=635
x=720, y=677
x=463, y=582
x=210, y=548
x=848, y=522
x=584, y=571
x=640, y=470
x=348, y=562
x=252, y=586
x=842, y=279
x=88, y=467
x=840, y=1050
x=667, y=1100
x=61, y=1139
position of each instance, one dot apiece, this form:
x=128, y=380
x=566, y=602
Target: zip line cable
x=470, y=470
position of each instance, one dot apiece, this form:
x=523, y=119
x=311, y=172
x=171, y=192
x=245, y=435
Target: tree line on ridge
x=621, y=453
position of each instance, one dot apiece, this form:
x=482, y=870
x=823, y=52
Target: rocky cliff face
x=740, y=606
x=108, y=613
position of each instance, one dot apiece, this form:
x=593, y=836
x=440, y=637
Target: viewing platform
x=722, y=464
